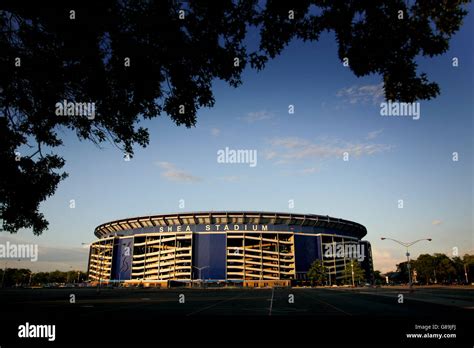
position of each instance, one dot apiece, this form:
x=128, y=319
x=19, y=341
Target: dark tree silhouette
x=138, y=59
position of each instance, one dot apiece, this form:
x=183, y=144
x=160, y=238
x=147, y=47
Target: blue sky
x=299, y=158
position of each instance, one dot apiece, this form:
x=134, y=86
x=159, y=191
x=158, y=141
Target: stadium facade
x=246, y=248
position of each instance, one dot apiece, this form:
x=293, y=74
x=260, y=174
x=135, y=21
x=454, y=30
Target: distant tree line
x=21, y=277
x=426, y=269
x=436, y=269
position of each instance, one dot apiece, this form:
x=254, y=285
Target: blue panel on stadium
x=307, y=250
x=209, y=254
x=122, y=263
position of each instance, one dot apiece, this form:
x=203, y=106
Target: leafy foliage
x=439, y=268
x=173, y=62
x=359, y=273
x=317, y=273
x=25, y=277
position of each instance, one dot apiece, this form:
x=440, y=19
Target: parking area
x=182, y=302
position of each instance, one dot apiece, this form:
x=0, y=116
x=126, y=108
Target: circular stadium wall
x=249, y=248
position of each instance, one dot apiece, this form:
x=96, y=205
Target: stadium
x=252, y=249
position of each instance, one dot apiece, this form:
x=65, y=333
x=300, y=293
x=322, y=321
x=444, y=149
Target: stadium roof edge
x=111, y=227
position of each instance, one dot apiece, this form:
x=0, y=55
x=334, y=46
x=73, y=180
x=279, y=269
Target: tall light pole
x=200, y=269
x=465, y=274
x=407, y=245
x=352, y=270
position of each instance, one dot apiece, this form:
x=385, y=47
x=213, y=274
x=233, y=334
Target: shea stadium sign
x=214, y=228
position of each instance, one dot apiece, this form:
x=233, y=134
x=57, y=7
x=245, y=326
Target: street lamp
x=407, y=245
x=465, y=274
x=200, y=269
x=352, y=270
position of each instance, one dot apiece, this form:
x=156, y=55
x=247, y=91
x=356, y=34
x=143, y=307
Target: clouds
x=310, y=170
x=284, y=150
x=262, y=115
x=289, y=142
x=373, y=134
x=384, y=261
x=232, y=178
x=170, y=172
x=362, y=94
x=436, y=222
x=215, y=132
